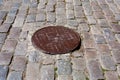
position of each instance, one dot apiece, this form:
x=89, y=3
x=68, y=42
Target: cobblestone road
x=97, y=22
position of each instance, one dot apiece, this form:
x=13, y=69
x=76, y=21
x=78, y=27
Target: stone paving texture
x=96, y=21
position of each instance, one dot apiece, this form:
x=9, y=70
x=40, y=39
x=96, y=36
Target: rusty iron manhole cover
x=55, y=39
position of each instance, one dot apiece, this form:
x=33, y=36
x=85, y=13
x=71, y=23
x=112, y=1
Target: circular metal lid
x=55, y=39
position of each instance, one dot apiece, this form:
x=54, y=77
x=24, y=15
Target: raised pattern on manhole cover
x=55, y=39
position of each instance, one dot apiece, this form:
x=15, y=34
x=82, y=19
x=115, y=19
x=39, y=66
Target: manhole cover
x=55, y=39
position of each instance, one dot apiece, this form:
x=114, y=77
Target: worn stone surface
x=5, y=27
x=96, y=21
x=5, y=58
x=14, y=76
x=111, y=75
x=2, y=37
x=21, y=48
x=107, y=62
x=64, y=67
x=14, y=33
x=89, y=44
x=99, y=39
x=34, y=56
x=64, y=77
x=95, y=71
x=50, y=17
x=91, y=20
x=108, y=34
x=118, y=37
x=73, y=23
x=83, y=28
x=3, y=72
x=103, y=48
x=2, y=14
x=19, y=21
x=118, y=69
x=18, y=63
x=31, y=18
x=48, y=61
x=32, y=72
x=40, y=17
x=9, y=45
x=78, y=63
x=47, y=72
x=10, y=19
x=116, y=56
x=78, y=75
x=90, y=54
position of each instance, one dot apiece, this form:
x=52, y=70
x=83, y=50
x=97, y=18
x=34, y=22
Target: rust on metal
x=55, y=39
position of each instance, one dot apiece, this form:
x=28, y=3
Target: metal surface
x=55, y=39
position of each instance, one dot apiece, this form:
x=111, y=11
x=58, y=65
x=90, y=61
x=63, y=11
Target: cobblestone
x=95, y=29
x=89, y=44
x=116, y=56
x=69, y=6
x=21, y=48
x=77, y=54
x=114, y=45
x=90, y=54
x=78, y=12
x=98, y=15
x=103, y=48
x=0, y=46
x=14, y=33
x=115, y=28
x=107, y=62
x=95, y=70
x=23, y=35
x=48, y=61
x=32, y=72
x=18, y=63
x=9, y=19
x=51, y=17
x=70, y=14
x=64, y=77
x=5, y=27
x=73, y=23
x=77, y=2
x=40, y=17
x=3, y=72
x=47, y=72
x=50, y=8
x=2, y=37
x=31, y=18
x=64, y=67
x=9, y=45
x=5, y=58
x=118, y=37
x=19, y=21
x=111, y=75
x=78, y=75
x=96, y=21
x=2, y=14
x=83, y=28
x=91, y=20
x=99, y=39
x=103, y=23
x=34, y=56
x=14, y=76
x=87, y=8
x=108, y=34
x=12, y=12
x=78, y=63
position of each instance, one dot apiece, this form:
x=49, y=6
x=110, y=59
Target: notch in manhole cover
x=55, y=39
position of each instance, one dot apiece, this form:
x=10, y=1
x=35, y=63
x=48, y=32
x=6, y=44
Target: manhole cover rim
x=47, y=52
